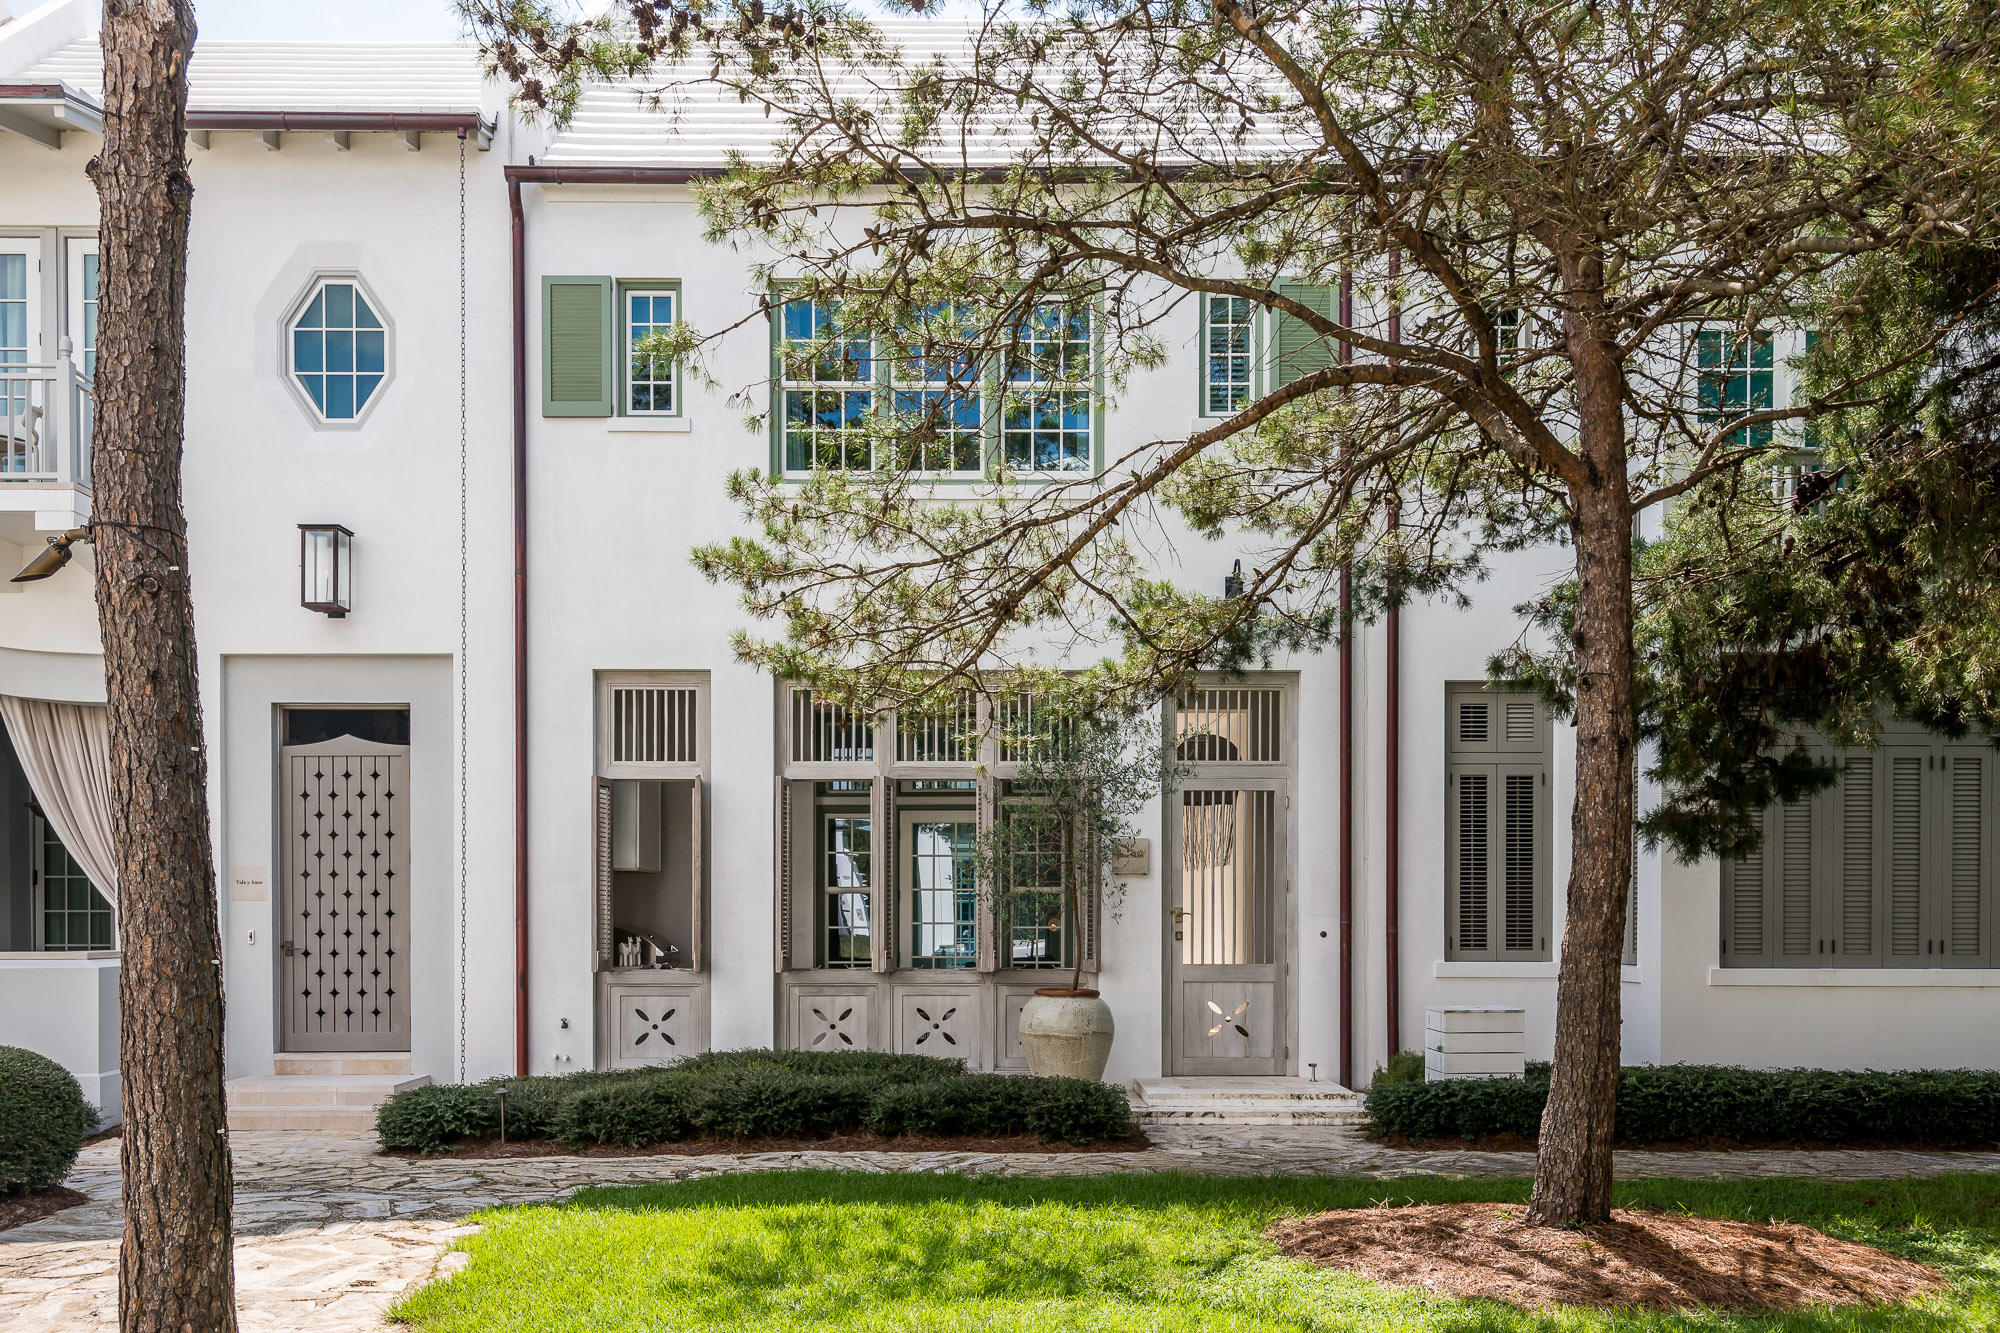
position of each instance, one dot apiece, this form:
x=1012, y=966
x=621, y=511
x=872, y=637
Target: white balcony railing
x=45, y=421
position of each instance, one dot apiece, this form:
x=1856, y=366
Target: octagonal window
x=340, y=351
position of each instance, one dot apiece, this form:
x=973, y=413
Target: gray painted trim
x=75, y=678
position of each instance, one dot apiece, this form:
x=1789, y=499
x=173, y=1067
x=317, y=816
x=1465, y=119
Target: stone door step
x=1244, y=1101
x=309, y=1103
x=333, y=1064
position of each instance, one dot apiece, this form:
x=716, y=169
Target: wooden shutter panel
x=781, y=874
x=1961, y=900
x=1904, y=935
x=1854, y=904
x=991, y=896
x=697, y=876
x=1301, y=350
x=1796, y=942
x=1089, y=908
x=601, y=882
x=577, y=344
x=882, y=877
x=1519, y=928
x=1469, y=852
x=1743, y=908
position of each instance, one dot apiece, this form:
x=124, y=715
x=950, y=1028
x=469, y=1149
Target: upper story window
x=1736, y=379
x=16, y=338
x=937, y=397
x=826, y=390
x=83, y=303
x=1227, y=328
x=339, y=350
x=651, y=387
x=1047, y=426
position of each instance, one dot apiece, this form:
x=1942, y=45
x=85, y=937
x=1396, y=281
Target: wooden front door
x=1227, y=876
x=345, y=934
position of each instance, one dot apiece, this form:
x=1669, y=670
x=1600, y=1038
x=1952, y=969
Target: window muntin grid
x=1226, y=354
x=87, y=331
x=1735, y=372
x=1047, y=425
x=827, y=390
x=944, y=911
x=75, y=916
x=937, y=398
x=1036, y=916
x=340, y=350
x=846, y=844
x=649, y=380
x=14, y=332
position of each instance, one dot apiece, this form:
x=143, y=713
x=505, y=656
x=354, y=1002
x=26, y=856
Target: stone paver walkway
x=329, y=1234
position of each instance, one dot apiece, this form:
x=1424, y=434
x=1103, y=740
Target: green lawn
x=836, y=1251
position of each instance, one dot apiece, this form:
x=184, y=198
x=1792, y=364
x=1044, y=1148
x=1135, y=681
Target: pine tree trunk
x=1573, y=1166
x=174, y=1266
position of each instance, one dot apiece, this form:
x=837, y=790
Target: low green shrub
x=1403, y=1067
x=1668, y=1103
x=43, y=1118
x=758, y=1094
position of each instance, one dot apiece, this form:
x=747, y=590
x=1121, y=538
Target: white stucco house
x=490, y=792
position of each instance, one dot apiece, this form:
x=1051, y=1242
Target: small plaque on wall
x=1132, y=856
x=249, y=884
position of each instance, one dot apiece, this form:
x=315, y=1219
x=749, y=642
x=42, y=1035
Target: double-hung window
x=937, y=396
x=18, y=346
x=651, y=381
x=826, y=390
x=1228, y=342
x=1735, y=373
x=1048, y=422
x=74, y=915
x=1497, y=825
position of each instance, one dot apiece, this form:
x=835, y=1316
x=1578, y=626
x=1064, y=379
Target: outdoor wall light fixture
x=326, y=569
x=1232, y=582
x=52, y=557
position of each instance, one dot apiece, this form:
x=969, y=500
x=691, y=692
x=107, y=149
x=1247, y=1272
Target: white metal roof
x=299, y=76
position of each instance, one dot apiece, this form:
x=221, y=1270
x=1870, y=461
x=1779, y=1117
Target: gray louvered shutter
x=1960, y=893
x=991, y=896
x=1520, y=930
x=578, y=378
x=881, y=876
x=697, y=876
x=1743, y=907
x=1090, y=896
x=1629, y=957
x=781, y=874
x=602, y=883
x=1796, y=943
x=1468, y=854
x=1854, y=937
x=1903, y=935
x=1301, y=350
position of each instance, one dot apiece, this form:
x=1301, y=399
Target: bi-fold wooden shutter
x=882, y=952
x=1090, y=899
x=992, y=928
x=698, y=874
x=1961, y=906
x=1769, y=896
x=601, y=881
x=1301, y=349
x=1497, y=826
x=579, y=378
x=781, y=874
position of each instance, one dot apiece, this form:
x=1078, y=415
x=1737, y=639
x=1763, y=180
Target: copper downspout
x=1392, y=766
x=1346, y=763
x=516, y=177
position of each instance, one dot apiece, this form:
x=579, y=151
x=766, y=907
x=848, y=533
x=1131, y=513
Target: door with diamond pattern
x=345, y=933
x=1227, y=948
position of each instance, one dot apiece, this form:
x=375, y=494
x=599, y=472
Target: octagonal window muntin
x=338, y=353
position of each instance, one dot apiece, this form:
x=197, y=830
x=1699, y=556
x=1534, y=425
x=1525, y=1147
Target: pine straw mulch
x=1657, y=1261
x=17, y=1210
x=478, y=1149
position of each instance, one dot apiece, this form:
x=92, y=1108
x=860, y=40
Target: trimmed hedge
x=1666, y=1103
x=43, y=1118
x=758, y=1094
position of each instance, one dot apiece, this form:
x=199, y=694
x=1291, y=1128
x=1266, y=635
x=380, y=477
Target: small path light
x=501, y=1093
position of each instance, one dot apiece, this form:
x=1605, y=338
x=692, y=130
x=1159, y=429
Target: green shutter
x=577, y=378
x=1743, y=884
x=1856, y=909
x=1301, y=350
x=1961, y=898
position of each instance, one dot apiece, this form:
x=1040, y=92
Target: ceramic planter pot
x=1066, y=1033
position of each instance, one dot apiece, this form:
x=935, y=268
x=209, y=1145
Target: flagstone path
x=329, y=1234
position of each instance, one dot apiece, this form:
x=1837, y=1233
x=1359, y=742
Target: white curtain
x=65, y=749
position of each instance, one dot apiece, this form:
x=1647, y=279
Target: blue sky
x=350, y=20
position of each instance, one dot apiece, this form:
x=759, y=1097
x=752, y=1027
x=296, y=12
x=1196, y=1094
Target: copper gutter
x=1392, y=768
x=1346, y=763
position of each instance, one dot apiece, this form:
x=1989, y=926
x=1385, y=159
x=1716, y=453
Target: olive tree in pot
x=1060, y=832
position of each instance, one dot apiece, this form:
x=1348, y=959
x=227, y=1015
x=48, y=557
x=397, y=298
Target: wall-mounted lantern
x=326, y=568
x=1232, y=582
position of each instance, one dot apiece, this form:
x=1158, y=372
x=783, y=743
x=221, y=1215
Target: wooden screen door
x=345, y=937
x=1226, y=881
